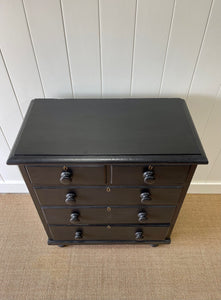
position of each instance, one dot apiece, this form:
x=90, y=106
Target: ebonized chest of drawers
x=108, y=170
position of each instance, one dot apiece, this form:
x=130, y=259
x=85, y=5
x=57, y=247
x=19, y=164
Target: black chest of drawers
x=108, y=170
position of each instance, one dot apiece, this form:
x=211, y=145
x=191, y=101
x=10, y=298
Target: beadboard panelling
x=112, y=48
x=47, y=33
x=207, y=78
x=117, y=27
x=81, y=23
x=8, y=173
x=10, y=115
x=150, y=44
x=188, y=25
x=214, y=174
x=211, y=140
x=18, y=52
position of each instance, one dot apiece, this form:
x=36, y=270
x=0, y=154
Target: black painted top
x=107, y=130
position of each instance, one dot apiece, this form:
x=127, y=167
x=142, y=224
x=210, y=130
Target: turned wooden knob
x=148, y=177
x=145, y=196
x=70, y=198
x=78, y=235
x=142, y=216
x=66, y=177
x=74, y=217
x=139, y=235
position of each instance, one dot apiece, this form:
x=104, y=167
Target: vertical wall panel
x=211, y=140
x=117, y=20
x=151, y=37
x=10, y=115
x=214, y=175
x=18, y=53
x=46, y=28
x=82, y=30
x=203, y=101
x=184, y=44
x=207, y=78
x=8, y=173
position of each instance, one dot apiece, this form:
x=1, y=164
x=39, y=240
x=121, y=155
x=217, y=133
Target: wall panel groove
x=167, y=47
x=31, y=40
x=112, y=48
x=200, y=49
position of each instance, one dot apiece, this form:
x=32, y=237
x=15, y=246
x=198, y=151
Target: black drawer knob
x=70, y=198
x=145, y=196
x=78, y=235
x=148, y=177
x=74, y=217
x=142, y=216
x=139, y=235
x=66, y=177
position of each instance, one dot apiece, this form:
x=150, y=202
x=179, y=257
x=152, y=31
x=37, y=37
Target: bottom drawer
x=108, y=233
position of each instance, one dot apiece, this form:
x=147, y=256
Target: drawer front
x=78, y=175
x=159, y=175
x=109, y=215
x=92, y=233
x=105, y=196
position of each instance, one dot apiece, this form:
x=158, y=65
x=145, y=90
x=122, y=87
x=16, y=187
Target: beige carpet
x=189, y=268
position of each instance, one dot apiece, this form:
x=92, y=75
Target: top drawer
x=74, y=175
x=149, y=175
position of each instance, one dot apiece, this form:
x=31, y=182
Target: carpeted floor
x=189, y=268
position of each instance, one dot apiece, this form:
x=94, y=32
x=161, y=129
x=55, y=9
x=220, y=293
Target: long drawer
x=75, y=175
x=157, y=175
x=109, y=215
x=107, y=196
x=87, y=233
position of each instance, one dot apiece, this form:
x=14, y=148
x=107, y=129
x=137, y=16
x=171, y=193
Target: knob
x=148, y=177
x=139, y=235
x=66, y=177
x=142, y=216
x=70, y=199
x=145, y=196
x=78, y=235
x=74, y=217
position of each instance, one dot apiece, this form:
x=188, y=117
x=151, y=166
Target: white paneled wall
x=112, y=48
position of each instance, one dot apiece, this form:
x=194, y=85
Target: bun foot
x=61, y=245
x=155, y=245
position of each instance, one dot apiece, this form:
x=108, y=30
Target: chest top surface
x=157, y=130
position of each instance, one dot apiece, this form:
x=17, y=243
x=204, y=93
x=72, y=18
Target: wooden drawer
x=159, y=175
x=109, y=215
x=93, y=233
x=79, y=175
x=105, y=196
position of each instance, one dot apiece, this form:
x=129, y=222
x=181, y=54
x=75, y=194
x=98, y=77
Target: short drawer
x=93, y=233
x=109, y=215
x=156, y=175
x=107, y=196
x=75, y=175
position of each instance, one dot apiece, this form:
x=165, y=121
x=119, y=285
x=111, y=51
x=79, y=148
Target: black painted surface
x=107, y=153
x=83, y=175
x=102, y=215
x=100, y=196
x=107, y=233
x=163, y=175
x=109, y=128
